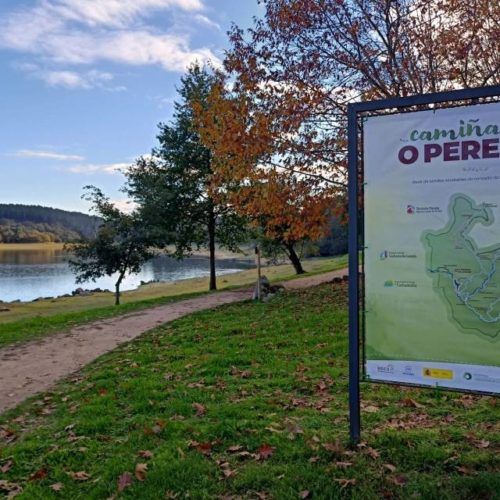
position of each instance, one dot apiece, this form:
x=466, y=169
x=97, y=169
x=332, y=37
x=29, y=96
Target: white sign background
x=412, y=334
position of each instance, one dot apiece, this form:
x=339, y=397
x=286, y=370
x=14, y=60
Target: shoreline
x=31, y=246
x=88, y=292
x=43, y=308
x=221, y=254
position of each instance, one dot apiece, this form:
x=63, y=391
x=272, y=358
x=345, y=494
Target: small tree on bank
x=173, y=187
x=121, y=245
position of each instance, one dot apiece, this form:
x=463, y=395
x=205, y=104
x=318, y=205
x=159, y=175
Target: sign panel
x=432, y=238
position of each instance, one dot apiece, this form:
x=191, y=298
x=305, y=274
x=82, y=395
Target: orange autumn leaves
x=287, y=205
x=276, y=120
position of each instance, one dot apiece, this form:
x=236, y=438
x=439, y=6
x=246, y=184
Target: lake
x=27, y=274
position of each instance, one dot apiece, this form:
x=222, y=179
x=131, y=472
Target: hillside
x=36, y=224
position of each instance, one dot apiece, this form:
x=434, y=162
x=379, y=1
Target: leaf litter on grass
x=262, y=411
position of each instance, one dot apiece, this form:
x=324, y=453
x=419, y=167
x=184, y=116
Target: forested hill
x=35, y=224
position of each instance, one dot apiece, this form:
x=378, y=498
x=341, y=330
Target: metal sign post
x=354, y=395
x=404, y=107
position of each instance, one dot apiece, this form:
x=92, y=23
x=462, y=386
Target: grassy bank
x=31, y=246
x=24, y=321
x=246, y=401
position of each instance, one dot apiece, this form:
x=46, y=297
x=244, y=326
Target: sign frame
x=355, y=112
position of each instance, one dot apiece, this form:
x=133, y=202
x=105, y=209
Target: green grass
x=28, y=321
x=269, y=377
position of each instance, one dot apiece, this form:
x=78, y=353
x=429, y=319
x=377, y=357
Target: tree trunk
x=117, y=290
x=294, y=258
x=211, y=245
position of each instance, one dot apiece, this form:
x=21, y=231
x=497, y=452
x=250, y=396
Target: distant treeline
x=35, y=224
x=335, y=243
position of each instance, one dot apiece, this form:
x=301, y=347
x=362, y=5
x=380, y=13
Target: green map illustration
x=466, y=277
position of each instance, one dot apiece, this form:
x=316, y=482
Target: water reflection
x=31, y=273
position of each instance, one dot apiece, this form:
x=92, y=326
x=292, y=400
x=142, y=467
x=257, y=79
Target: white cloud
x=202, y=19
x=91, y=168
x=115, y=12
x=47, y=155
x=162, y=101
x=125, y=205
x=90, y=31
x=67, y=79
x=140, y=47
x=72, y=79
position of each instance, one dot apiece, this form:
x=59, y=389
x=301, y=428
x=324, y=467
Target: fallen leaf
x=481, y=443
x=305, y=494
x=145, y=454
x=372, y=453
x=265, y=451
x=39, y=474
x=336, y=447
x=262, y=495
x=411, y=403
x=466, y=471
x=390, y=467
x=6, y=466
x=56, y=487
x=140, y=471
x=293, y=427
x=234, y=449
x=240, y=373
x=204, y=448
x=200, y=409
x=12, y=489
x=345, y=482
x=343, y=465
x=80, y=476
x=158, y=427
x=228, y=472
x=273, y=429
x=321, y=386
x=124, y=481
x=370, y=408
x=7, y=435
x=399, y=480
x=196, y=385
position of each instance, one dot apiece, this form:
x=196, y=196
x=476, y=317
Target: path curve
x=32, y=367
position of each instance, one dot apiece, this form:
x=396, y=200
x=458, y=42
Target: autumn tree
x=172, y=187
x=293, y=74
x=280, y=110
x=121, y=245
x=282, y=205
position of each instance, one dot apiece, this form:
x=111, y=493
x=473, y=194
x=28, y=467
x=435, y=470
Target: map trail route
x=466, y=277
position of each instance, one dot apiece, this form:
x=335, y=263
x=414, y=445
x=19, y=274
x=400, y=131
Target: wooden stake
x=257, y=253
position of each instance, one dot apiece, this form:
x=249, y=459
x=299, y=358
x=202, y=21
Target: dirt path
x=32, y=367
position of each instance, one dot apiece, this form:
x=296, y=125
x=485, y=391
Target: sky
x=84, y=84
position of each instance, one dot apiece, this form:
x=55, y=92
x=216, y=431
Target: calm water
x=28, y=274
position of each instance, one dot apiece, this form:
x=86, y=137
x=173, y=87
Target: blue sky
x=84, y=83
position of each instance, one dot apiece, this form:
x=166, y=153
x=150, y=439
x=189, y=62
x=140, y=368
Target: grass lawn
x=246, y=401
x=26, y=321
